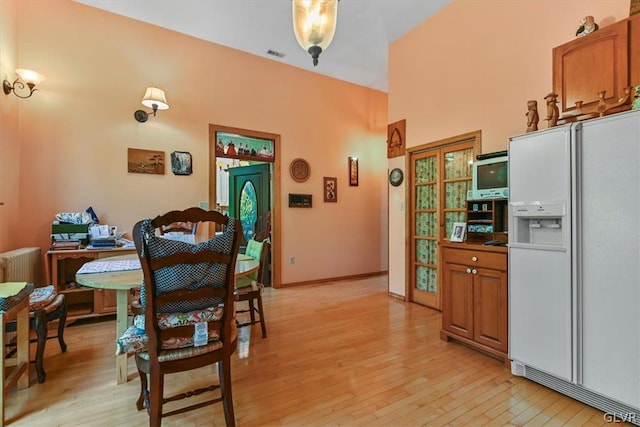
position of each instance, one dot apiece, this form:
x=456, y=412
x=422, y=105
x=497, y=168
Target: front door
x=249, y=195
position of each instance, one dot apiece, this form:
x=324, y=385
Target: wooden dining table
x=123, y=281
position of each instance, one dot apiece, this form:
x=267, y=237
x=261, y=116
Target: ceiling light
x=314, y=24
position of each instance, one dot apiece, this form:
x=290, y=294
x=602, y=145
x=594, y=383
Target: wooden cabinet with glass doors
x=440, y=175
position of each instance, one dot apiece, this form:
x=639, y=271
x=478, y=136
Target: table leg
x=22, y=340
x=121, y=326
x=20, y=374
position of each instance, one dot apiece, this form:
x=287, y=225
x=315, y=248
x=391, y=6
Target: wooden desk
x=123, y=281
x=81, y=302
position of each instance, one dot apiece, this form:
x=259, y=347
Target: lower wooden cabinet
x=475, y=296
x=104, y=301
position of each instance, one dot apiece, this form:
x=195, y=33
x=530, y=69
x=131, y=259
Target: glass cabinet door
x=439, y=180
x=457, y=181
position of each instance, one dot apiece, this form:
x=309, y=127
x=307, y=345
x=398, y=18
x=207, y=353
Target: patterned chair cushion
x=183, y=353
x=58, y=300
x=254, y=250
x=41, y=297
x=135, y=339
x=186, y=276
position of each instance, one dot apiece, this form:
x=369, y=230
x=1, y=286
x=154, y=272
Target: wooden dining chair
x=186, y=286
x=45, y=305
x=250, y=288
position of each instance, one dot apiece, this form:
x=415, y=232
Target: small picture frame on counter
x=458, y=232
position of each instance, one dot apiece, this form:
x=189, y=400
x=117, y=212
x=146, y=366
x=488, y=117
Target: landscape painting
x=145, y=161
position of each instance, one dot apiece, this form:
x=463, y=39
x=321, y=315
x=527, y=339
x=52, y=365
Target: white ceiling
x=358, y=54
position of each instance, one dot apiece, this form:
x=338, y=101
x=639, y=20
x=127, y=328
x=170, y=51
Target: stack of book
x=64, y=244
x=103, y=243
x=69, y=236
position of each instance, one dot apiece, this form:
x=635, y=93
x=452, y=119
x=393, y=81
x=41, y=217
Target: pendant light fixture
x=314, y=24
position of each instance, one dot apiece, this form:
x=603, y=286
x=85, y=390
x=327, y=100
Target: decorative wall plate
x=396, y=176
x=299, y=170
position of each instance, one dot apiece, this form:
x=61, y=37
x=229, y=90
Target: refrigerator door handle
x=576, y=253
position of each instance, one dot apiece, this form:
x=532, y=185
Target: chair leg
x=143, y=399
x=224, y=375
x=62, y=321
x=252, y=312
x=41, y=333
x=155, y=402
x=263, y=325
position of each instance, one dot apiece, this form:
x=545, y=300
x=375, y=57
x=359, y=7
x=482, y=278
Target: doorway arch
x=276, y=245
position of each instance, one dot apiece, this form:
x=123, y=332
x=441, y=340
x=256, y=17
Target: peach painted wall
x=75, y=133
x=9, y=141
x=473, y=66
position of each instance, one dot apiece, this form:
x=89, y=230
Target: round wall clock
x=299, y=170
x=396, y=176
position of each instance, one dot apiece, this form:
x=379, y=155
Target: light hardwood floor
x=341, y=353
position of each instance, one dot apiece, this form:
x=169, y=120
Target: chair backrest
x=259, y=251
x=186, y=227
x=180, y=277
x=262, y=227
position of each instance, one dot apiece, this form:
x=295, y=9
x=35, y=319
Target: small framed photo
x=458, y=232
x=330, y=189
x=181, y=163
x=353, y=171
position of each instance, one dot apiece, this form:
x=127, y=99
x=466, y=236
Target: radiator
x=21, y=265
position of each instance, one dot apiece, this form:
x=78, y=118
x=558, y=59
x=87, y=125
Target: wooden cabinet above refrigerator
x=605, y=60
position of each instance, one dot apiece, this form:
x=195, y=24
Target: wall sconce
x=314, y=24
x=26, y=79
x=153, y=98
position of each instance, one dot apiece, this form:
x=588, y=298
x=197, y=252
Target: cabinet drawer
x=492, y=260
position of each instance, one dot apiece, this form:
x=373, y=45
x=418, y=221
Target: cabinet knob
x=474, y=258
x=468, y=270
x=474, y=271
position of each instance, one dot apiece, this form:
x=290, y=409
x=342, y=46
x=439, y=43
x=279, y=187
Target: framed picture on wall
x=181, y=163
x=353, y=171
x=145, y=161
x=330, y=189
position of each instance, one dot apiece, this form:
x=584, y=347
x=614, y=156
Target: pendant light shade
x=314, y=24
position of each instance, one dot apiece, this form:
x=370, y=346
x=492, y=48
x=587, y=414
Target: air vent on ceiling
x=275, y=53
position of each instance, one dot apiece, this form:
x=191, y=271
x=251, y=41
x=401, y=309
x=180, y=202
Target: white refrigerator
x=574, y=260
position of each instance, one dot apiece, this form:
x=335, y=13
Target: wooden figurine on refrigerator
x=532, y=116
x=552, y=109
